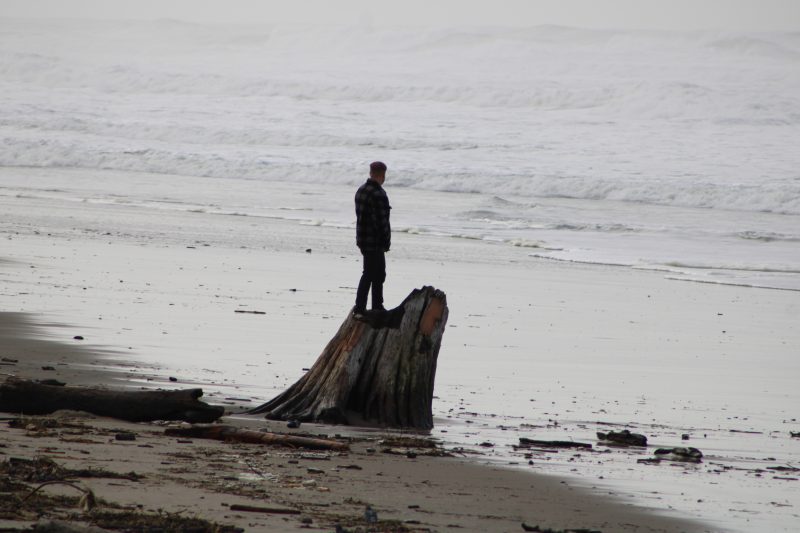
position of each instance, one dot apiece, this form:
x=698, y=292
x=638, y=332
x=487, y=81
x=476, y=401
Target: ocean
x=660, y=150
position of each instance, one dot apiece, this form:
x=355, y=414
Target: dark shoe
x=379, y=308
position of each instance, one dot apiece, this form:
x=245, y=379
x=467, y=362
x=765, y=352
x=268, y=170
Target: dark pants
x=374, y=275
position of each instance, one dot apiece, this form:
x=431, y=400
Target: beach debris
x=413, y=453
x=486, y=444
x=245, y=311
x=370, y=515
x=173, y=379
x=687, y=455
x=795, y=434
x=407, y=442
x=623, y=438
x=42, y=469
x=61, y=526
x=51, y=382
x=78, y=337
x=293, y=424
x=87, y=502
x=125, y=436
x=315, y=456
x=526, y=527
x=38, y=423
x=308, y=250
x=23, y=396
x=399, y=395
x=685, y=436
x=230, y=433
x=48, y=367
x=260, y=509
x=411, y=447
x=649, y=461
x=529, y=443
x=784, y=468
x=161, y=521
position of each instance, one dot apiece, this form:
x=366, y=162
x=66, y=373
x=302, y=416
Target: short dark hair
x=377, y=167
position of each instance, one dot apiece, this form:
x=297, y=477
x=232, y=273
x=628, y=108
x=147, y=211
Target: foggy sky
x=771, y=15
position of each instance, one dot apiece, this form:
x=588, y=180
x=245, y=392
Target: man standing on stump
x=373, y=237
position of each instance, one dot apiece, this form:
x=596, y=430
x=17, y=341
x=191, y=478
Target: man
x=373, y=237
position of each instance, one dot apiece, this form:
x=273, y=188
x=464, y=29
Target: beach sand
x=533, y=348
x=204, y=478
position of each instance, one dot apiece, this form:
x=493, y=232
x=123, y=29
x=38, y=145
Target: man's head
x=377, y=172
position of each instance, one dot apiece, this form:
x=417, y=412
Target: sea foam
x=689, y=119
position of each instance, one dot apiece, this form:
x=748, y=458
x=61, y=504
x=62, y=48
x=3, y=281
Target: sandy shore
x=205, y=478
x=533, y=348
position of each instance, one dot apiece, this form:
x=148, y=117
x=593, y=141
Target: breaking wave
x=692, y=119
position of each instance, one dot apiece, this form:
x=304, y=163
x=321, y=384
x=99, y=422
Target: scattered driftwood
x=44, y=469
x=526, y=527
x=31, y=398
x=259, y=509
x=87, y=503
x=379, y=369
x=528, y=443
x=230, y=433
x=784, y=468
x=623, y=438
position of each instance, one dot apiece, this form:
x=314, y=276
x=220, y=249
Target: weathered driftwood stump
x=378, y=370
x=30, y=398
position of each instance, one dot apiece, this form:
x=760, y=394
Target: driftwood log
x=377, y=370
x=30, y=398
x=233, y=434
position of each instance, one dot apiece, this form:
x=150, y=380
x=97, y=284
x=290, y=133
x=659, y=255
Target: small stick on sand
x=269, y=510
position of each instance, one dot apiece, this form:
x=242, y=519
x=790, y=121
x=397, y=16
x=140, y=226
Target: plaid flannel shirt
x=373, y=232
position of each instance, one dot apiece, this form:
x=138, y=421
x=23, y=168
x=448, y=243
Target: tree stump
x=31, y=398
x=377, y=370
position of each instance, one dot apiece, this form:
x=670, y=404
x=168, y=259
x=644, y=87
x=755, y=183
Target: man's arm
x=382, y=209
